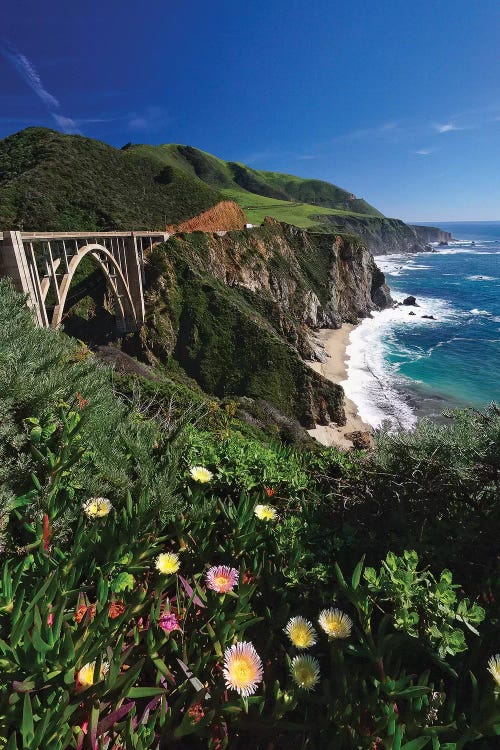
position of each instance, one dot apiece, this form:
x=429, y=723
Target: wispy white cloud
x=27, y=70
x=448, y=127
x=424, y=151
x=67, y=124
x=308, y=157
x=257, y=157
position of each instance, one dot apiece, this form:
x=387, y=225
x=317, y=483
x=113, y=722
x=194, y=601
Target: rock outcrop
x=382, y=236
x=237, y=311
x=431, y=234
x=385, y=236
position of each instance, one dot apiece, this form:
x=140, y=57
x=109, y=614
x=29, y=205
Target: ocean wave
x=454, y=251
x=481, y=278
x=475, y=311
x=373, y=383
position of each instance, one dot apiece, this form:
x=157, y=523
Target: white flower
x=200, y=474
x=335, y=623
x=97, y=507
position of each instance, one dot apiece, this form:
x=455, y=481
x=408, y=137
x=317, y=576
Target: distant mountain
x=67, y=182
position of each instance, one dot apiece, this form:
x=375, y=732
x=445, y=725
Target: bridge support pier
x=14, y=263
x=134, y=280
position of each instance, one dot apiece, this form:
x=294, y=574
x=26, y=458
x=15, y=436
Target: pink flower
x=222, y=579
x=168, y=622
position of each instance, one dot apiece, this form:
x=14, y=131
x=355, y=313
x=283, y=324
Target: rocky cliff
x=431, y=234
x=382, y=236
x=237, y=311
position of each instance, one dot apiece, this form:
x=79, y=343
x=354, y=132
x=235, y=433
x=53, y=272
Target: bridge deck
x=83, y=235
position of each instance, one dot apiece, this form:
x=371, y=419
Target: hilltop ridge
x=59, y=182
x=51, y=181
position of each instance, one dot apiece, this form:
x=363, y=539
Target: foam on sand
x=373, y=382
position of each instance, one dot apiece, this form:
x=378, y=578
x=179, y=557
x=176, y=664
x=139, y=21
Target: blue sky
x=396, y=101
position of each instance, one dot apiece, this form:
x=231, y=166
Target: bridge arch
x=115, y=280
x=39, y=262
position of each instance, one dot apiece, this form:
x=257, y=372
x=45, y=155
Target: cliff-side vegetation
x=284, y=597
x=236, y=311
x=232, y=341
x=382, y=235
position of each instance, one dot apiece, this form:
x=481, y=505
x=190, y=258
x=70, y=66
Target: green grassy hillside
x=286, y=197
x=66, y=182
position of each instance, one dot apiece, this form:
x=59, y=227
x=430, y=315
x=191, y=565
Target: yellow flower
x=242, y=668
x=200, y=474
x=265, y=512
x=97, y=507
x=494, y=668
x=85, y=676
x=301, y=632
x=305, y=671
x=168, y=563
x=335, y=623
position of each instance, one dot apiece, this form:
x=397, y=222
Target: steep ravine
x=237, y=312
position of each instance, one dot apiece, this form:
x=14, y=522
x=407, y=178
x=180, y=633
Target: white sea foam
x=475, y=311
x=374, y=384
x=481, y=278
x=454, y=250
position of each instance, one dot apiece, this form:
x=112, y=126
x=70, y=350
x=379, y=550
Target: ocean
x=403, y=367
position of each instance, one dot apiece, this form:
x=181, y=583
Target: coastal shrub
x=245, y=464
x=168, y=585
x=40, y=368
x=117, y=632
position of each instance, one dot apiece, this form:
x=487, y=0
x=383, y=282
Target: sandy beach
x=334, y=368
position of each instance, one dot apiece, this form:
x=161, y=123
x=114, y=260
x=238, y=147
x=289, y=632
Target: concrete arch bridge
x=42, y=266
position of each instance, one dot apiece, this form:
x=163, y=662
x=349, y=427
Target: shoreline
x=335, y=368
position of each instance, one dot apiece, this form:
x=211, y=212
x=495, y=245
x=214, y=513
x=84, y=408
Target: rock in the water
x=411, y=313
x=410, y=300
x=361, y=440
x=429, y=317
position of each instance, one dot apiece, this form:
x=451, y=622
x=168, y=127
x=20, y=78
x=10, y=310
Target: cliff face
x=236, y=311
x=431, y=234
x=224, y=216
x=382, y=236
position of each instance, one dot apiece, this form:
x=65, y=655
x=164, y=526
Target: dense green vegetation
x=50, y=181
x=114, y=631
x=235, y=341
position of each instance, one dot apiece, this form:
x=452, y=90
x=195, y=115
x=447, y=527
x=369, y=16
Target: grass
x=257, y=207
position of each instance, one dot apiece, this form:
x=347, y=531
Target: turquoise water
x=403, y=367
